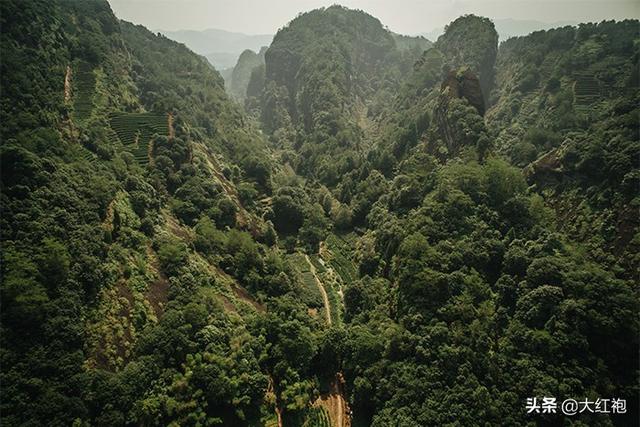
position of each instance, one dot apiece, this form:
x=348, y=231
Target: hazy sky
x=403, y=16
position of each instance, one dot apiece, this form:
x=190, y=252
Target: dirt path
x=325, y=298
x=341, y=408
x=325, y=255
x=157, y=291
x=172, y=132
x=335, y=401
x=152, y=161
x=271, y=391
x=335, y=404
x=67, y=85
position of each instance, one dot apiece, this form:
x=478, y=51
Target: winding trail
x=67, y=85
x=172, y=132
x=334, y=401
x=152, y=160
x=325, y=297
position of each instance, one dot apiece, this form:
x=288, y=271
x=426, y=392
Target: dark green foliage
x=454, y=295
x=314, y=228
x=173, y=256
x=259, y=170
x=37, y=52
x=576, y=127
x=75, y=227
x=288, y=209
x=163, y=265
x=226, y=213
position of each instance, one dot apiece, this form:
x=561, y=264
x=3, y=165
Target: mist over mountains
x=222, y=48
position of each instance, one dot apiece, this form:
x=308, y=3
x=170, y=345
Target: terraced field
x=333, y=285
x=338, y=247
x=548, y=65
x=321, y=284
x=88, y=155
x=310, y=293
x=84, y=82
x=586, y=91
x=528, y=109
x=331, y=407
x=135, y=130
x=319, y=417
x=329, y=307
x=113, y=139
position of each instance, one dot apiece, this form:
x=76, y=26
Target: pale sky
x=402, y=16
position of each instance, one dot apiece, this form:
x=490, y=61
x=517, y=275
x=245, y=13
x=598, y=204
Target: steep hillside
x=479, y=283
x=566, y=108
x=440, y=105
x=471, y=41
x=560, y=78
x=141, y=284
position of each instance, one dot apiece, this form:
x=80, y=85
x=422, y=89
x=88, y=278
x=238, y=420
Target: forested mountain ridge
x=508, y=28
x=442, y=218
x=383, y=255
x=566, y=108
x=322, y=71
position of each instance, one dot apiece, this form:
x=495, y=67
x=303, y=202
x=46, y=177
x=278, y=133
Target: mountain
x=508, y=28
x=470, y=41
x=249, y=63
x=390, y=232
x=221, y=48
x=322, y=74
x=238, y=81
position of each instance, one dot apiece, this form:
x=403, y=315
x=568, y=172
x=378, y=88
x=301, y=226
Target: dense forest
x=368, y=229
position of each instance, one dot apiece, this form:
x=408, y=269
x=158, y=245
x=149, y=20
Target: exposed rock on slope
x=472, y=41
x=465, y=84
